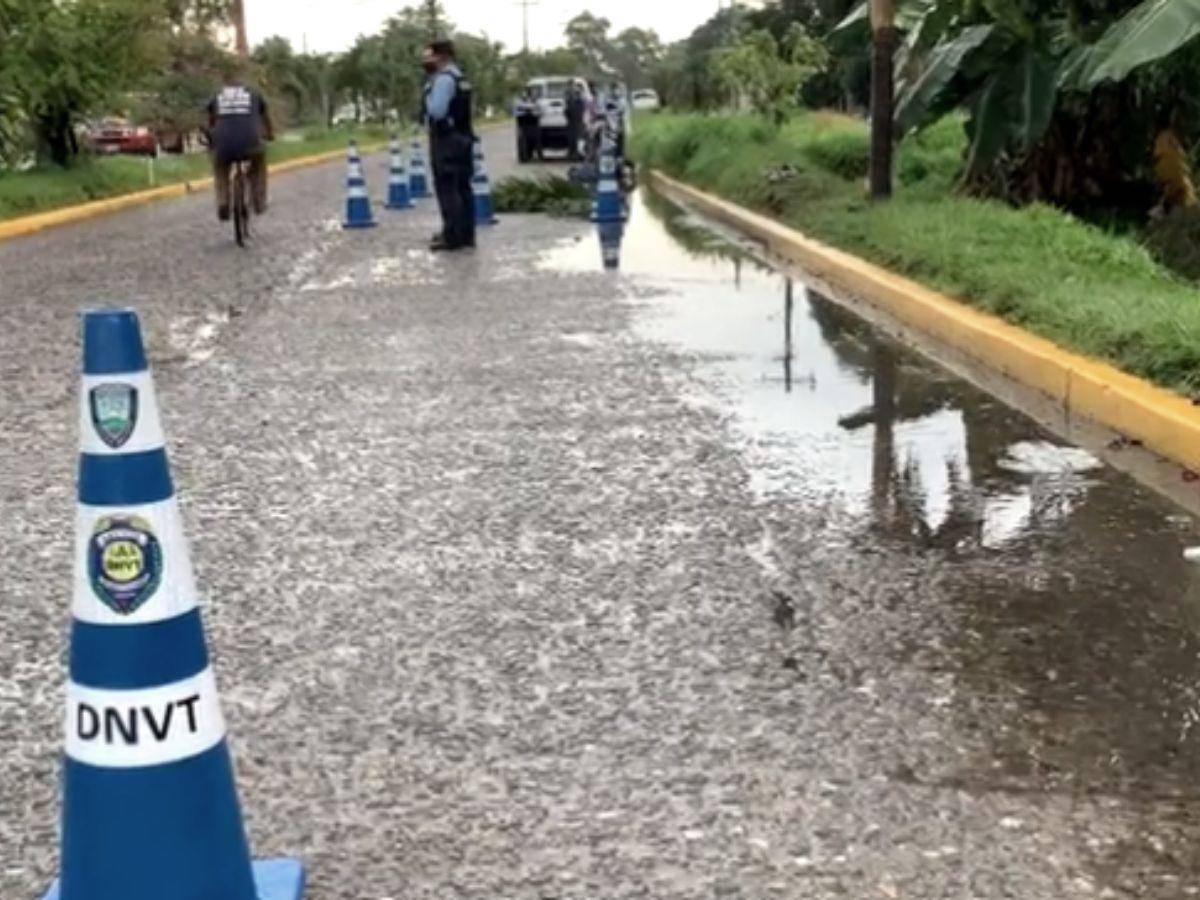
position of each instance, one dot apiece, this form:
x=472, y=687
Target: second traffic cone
x=358, y=203
x=150, y=808
x=609, y=206
x=418, y=177
x=398, y=192
x=485, y=213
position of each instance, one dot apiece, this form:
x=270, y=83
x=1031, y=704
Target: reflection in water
x=611, y=234
x=789, y=310
x=894, y=440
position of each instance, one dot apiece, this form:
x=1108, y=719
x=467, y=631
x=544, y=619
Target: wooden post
x=884, y=38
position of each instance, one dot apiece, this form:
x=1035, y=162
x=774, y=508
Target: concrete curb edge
x=1166, y=423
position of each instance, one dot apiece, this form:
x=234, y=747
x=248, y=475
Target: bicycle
x=240, y=201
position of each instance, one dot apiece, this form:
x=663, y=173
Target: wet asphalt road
x=519, y=585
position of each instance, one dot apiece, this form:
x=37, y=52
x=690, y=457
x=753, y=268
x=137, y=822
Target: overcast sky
x=331, y=25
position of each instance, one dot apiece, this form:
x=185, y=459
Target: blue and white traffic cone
x=612, y=234
x=150, y=807
x=418, y=177
x=485, y=213
x=358, y=203
x=608, y=205
x=398, y=194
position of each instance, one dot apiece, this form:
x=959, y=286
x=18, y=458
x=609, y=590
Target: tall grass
x=1095, y=292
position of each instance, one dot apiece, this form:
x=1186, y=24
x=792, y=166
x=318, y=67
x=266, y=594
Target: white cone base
x=274, y=879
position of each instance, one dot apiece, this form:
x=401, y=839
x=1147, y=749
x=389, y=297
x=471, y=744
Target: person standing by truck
x=448, y=101
x=529, y=128
x=576, y=114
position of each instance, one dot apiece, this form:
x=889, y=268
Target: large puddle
x=1071, y=591
x=830, y=409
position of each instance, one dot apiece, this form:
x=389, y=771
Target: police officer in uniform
x=529, y=128
x=451, y=139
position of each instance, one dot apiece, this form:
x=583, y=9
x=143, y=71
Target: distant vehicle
x=112, y=136
x=646, y=100
x=346, y=115
x=551, y=97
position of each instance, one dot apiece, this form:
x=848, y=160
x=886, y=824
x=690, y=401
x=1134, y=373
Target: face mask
x=429, y=67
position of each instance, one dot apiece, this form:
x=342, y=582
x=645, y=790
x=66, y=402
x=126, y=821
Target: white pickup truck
x=550, y=94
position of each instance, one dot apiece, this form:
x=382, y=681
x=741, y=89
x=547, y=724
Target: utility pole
x=239, y=23
x=525, y=4
x=884, y=38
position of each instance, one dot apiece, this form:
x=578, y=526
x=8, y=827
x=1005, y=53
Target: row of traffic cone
x=407, y=186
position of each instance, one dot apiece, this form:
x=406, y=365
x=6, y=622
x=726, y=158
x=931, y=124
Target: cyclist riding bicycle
x=238, y=121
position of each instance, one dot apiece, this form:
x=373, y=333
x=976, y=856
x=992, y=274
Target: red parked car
x=111, y=136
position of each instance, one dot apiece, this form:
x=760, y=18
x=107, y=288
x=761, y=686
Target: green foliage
x=635, y=53
x=587, y=38
x=1037, y=267
x=1150, y=32
x=1035, y=78
x=553, y=195
x=173, y=98
x=62, y=61
x=769, y=74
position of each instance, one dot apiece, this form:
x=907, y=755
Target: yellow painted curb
x=68, y=215
x=1165, y=422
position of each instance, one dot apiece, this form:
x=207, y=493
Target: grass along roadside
x=1039, y=268
x=44, y=189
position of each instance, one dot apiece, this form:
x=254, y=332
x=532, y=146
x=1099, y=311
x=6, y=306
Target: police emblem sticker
x=125, y=563
x=115, y=413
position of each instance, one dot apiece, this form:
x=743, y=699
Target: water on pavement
x=1070, y=648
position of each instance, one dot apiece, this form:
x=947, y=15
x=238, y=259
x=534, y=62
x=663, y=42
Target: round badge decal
x=124, y=563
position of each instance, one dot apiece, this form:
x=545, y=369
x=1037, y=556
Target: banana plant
x=1008, y=63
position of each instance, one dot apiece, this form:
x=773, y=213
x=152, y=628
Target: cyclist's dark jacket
x=239, y=112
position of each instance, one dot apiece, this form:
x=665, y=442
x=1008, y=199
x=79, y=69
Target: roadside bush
x=553, y=195
x=842, y=153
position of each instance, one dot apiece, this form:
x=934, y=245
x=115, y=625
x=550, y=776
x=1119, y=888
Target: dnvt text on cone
x=150, y=808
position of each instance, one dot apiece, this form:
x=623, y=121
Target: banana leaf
x=925, y=99
x=1152, y=31
x=1015, y=107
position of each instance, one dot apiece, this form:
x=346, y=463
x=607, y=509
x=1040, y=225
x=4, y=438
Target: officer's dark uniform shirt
x=239, y=112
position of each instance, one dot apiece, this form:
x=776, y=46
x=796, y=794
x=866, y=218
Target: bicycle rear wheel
x=241, y=207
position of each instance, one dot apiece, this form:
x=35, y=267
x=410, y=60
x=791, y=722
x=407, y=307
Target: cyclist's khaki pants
x=258, y=181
